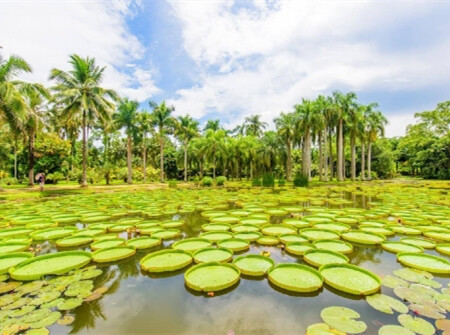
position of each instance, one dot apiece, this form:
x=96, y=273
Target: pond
x=136, y=301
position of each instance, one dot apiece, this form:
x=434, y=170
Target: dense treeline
x=78, y=130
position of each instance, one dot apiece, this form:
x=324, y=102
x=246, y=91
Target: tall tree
x=305, y=113
x=126, y=117
x=375, y=127
x=355, y=126
x=285, y=124
x=79, y=93
x=186, y=129
x=253, y=125
x=144, y=121
x=215, y=145
x=164, y=122
x=214, y=125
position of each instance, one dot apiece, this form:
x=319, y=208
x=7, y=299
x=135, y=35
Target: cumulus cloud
x=45, y=33
x=265, y=58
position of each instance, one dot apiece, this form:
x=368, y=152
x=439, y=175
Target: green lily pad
x=421, y=261
x=172, y=224
x=45, y=297
x=113, y=253
x=267, y=240
x=298, y=248
x=30, y=287
x=166, y=234
x=212, y=254
x=70, y=304
x=299, y=224
x=420, y=242
x=397, y=247
x=343, y=319
x=166, y=260
x=443, y=249
x=394, y=329
x=211, y=277
x=319, y=257
x=47, y=321
x=52, y=233
x=216, y=236
x=412, y=275
x=192, y=244
x=10, y=260
x=295, y=277
x=253, y=265
x=427, y=311
x=17, y=304
x=314, y=234
x=363, y=237
x=334, y=245
x=66, y=320
x=216, y=227
x=438, y=235
x=386, y=304
x=143, y=242
x=7, y=247
x=393, y=282
x=248, y=236
x=417, y=325
x=22, y=311
x=288, y=238
x=36, y=315
x=225, y=219
x=239, y=228
x=336, y=227
x=73, y=241
x=55, y=263
x=277, y=229
x=38, y=331
x=350, y=279
x=234, y=244
x=322, y=329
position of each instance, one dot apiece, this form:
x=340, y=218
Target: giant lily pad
x=213, y=276
x=443, y=249
x=234, y=244
x=314, y=234
x=397, y=247
x=334, y=245
x=212, y=254
x=319, y=257
x=73, y=241
x=10, y=260
x=267, y=240
x=166, y=234
x=6, y=247
x=363, y=237
x=386, y=304
x=299, y=248
x=245, y=228
x=433, y=264
x=52, y=233
x=420, y=242
x=112, y=242
x=253, y=265
x=248, y=236
x=438, y=235
x=192, y=244
x=350, y=279
x=343, y=319
x=112, y=254
x=144, y=242
x=55, y=263
x=287, y=238
x=295, y=277
x=216, y=236
x=417, y=325
x=277, y=229
x=166, y=260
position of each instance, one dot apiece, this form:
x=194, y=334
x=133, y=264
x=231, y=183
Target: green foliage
x=281, y=182
x=268, y=180
x=301, y=180
x=54, y=177
x=207, y=181
x=220, y=181
x=256, y=181
x=172, y=183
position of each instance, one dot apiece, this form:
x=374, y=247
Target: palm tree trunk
x=325, y=156
x=161, y=155
x=15, y=162
x=363, y=161
x=130, y=171
x=343, y=158
x=84, y=179
x=289, y=161
x=369, y=161
x=185, y=161
x=353, y=149
x=340, y=152
x=251, y=169
x=144, y=158
x=31, y=159
x=320, y=156
x=214, y=166
x=330, y=143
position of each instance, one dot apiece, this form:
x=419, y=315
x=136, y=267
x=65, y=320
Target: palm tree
x=144, y=121
x=126, y=117
x=162, y=119
x=375, y=126
x=285, y=124
x=186, y=129
x=305, y=113
x=215, y=144
x=253, y=125
x=355, y=126
x=35, y=95
x=79, y=93
x=318, y=128
x=213, y=125
x=197, y=148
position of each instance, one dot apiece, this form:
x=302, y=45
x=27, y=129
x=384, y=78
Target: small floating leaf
x=413, y=275
x=415, y=324
x=343, y=319
x=386, y=304
x=322, y=329
x=70, y=304
x=394, y=330
x=393, y=282
x=66, y=320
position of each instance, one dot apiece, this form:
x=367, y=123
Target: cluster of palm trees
x=77, y=103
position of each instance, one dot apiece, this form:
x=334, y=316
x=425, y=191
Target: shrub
x=268, y=180
x=207, y=181
x=54, y=177
x=281, y=182
x=10, y=181
x=172, y=183
x=256, y=181
x=196, y=181
x=220, y=181
x=301, y=180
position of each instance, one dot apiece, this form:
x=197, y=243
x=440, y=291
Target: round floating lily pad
x=216, y=236
x=10, y=260
x=73, y=241
x=234, y=244
x=429, y=311
x=248, y=236
x=287, y=238
x=299, y=248
x=334, y=245
x=52, y=233
x=350, y=279
x=192, y=244
x=253, y=222
x=438, y=235
x=363, y=237
x=216, y=227
x=70, y=304
x=299, y=224
x=322, y=329
x=244, y=228
x=48, y=321
x=253, y=265
x=386, y=304
x=413, y=275
x=319, y=257
x=225, y=219
x=56, y=263
x=36, y=315
x=421, y=261
x=172, y=224
x=113, y=253
x=212, y=254
x=443, y=249
x=166, y=260
x=417, y=325
x=267, y=240
x=393, y=282
x=397, y=247
x=166, y=234
x=211, y=277
x=295, y=277
x=144, y=242
x=6, y=247
x=336, y=227
x=112, y=242
x=378, y=230
x=394, y=329
x=315, y=234
x=343, y=319
x=277, y=229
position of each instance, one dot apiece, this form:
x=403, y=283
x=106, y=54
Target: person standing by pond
x=40, y=177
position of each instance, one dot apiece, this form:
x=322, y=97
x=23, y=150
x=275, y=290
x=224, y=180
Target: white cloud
x=398, y=123
x=45, y=33
x=265, y=60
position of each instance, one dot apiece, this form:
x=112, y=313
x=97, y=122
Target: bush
x=281, y=182
x=207, y=181
x=268, y=180
x=54, y=177
x=220, y=181
x=10, y=181
x=301, y=180
x=196, y=181
x=256, y=182
x=172, y=183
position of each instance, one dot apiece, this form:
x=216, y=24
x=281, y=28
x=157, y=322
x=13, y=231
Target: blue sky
x=228, y=59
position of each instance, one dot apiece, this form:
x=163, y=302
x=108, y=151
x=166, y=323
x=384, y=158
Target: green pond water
x=141, y=303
